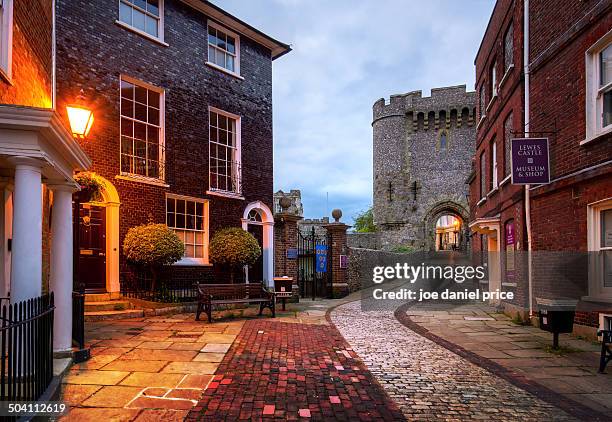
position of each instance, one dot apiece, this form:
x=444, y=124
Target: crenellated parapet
x=446, y=107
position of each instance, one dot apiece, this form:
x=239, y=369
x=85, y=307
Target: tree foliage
x=364, y=222
x=152, y=245
x=234, y=247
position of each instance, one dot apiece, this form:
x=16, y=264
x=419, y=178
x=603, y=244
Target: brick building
x=182, y=94
x=38, y=157
x=569, y=98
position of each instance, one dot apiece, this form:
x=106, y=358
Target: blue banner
x=321, y=257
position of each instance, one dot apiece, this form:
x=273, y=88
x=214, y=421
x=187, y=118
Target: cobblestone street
x=429, y=382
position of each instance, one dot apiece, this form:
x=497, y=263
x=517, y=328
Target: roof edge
x=276, y=47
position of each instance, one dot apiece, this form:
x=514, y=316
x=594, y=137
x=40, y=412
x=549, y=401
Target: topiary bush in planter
x=233, y=248
x=152, y=246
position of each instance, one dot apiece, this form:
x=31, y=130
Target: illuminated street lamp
x=80, y=117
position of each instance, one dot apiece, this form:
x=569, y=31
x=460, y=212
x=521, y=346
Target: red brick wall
x=32, y=56
x=93, y=56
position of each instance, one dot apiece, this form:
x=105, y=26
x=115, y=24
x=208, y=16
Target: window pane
x=212, y=35
x=153, y=153
x=127, y=108
x=140, y=94
x=190, y=220
x=199, y=209
x=154, y=116
x=170, y=204
x=222, y=122
x=170, y=219
x=211, y=54
x=180, y=206
x=140, y=3
x=606, y=65
x=126, y=163
x=127, y=127
x=606, y=229
x=229, y=62
x=153, y=99
x=191, y=208
x=180, y=221
x=138, y=19
x=220, y=59
x=199, y=252
x=127, y=145
x=151, y=23
x=140, y=131
x=507, y=144
x=127, y=90
x=231, y=45
x=140, y=148
x=222, y=137
x=189, y=251
x=509, y=47
x=607, y=108
x=125, y=13
x=153, y=7
x=153, y=135
x=140, y=112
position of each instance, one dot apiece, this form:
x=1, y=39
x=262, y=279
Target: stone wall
x=423, y=149
x=363, y=240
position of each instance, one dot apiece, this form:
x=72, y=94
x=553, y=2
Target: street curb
x=566, y=404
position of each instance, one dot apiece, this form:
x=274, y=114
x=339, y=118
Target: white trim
x=162, y=132
x=236, y=37
x=224, y=70
x=482, y=201
x=482, y=118
x=237, y=158
x=134, y=178
x=597, y=291
x=491, y=101
x=160, y=24
x=193, y=261
x=506, y=75
x=268, y=237
x=506, y=179
x=225, y=194
x=593, y=94
x=6, y=40
x=494, y=166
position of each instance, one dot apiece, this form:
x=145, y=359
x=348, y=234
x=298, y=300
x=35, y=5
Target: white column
x=60, y=280
x=268, y=253
x=26, y=256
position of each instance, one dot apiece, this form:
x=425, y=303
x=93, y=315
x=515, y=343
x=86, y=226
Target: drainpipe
x=527, y=200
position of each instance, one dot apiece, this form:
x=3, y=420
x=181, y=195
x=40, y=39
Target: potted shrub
x=152, y=246
x=233, y=248
x=91, y=188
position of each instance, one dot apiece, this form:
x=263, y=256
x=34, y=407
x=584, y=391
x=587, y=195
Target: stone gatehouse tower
x=423, y=148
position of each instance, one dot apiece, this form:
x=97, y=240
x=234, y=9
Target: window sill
x=506, y=75
x=482, y=119
x=493, y=191
x=132, y=178
x=223, y=194
x=597, y=299
x=506, y=180
x=192, y=262
x=141, y=33
x=493, y=98
x=597, y=136
x=224, y=70
x=482, y=201
x=7, y=78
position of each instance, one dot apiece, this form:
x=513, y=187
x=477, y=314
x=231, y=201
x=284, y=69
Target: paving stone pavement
x=146, y=369
x=428, y=381
x=287, y=371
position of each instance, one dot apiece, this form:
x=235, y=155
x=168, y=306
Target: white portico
x=38, y=157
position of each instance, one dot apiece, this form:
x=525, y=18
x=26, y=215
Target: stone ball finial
x=337, y=214
x=284, y=203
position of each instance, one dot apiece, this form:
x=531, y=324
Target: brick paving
x=428, y=381
x=287, y=371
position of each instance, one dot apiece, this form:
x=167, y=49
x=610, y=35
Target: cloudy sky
x=346, y=55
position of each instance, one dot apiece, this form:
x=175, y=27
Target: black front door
x=91, y=249
x=256, y=270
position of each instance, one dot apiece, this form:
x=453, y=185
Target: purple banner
x=530, y=163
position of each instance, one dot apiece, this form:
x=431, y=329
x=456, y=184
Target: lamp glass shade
x=81, y=119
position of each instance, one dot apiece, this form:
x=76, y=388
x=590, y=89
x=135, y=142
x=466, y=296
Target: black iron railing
x=137, y=285
x=26, y=348
x=78, y=327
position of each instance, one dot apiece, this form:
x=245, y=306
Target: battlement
x=444, y=103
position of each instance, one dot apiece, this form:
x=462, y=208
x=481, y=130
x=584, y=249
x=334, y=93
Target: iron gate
x=313, y=283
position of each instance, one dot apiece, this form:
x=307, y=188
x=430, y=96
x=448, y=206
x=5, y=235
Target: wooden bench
x=221, y=294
